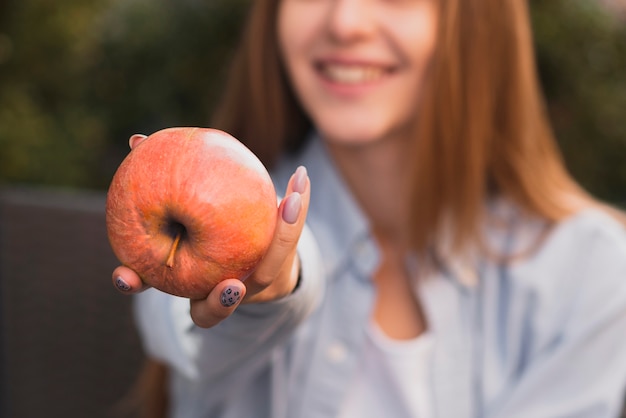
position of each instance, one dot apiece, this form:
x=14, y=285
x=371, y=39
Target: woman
x=449, y=265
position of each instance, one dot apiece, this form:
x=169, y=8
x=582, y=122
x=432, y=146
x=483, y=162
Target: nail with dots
x=121, y=284
x=230, y=296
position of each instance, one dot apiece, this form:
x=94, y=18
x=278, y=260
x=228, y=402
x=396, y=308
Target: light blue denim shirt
x=542, y=337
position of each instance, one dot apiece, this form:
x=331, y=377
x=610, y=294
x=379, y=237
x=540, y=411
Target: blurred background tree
x=581, y=53
x=78, y=77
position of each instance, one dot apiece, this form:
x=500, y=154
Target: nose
x=348, y=20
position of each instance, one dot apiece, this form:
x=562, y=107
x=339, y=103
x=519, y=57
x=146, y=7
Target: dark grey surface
x=68, y=344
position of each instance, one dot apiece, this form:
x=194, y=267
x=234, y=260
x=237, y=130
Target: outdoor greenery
x=581, y=51
x=78, y=77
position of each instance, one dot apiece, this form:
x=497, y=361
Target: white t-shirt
x=393, y=378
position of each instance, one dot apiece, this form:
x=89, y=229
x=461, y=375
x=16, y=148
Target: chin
x=351, y=137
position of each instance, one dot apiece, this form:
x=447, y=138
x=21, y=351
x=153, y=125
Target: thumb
x=292, y=211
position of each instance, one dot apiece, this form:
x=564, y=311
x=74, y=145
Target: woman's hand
x=275, y=277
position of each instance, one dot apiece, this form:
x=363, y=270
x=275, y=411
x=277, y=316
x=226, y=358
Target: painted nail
x=230, y=296
x=299, y=181
x=292, y=207
x=135, y=139
x=121, y=284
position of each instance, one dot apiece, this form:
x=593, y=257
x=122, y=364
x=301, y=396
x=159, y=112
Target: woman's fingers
x=279, y=269
x=127, y=281
x=219, y=304
x=291, y=216
x=135, y=140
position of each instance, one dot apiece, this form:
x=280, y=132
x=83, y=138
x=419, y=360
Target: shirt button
x=336, y=353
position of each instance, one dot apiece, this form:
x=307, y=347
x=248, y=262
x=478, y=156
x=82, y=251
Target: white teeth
x=352, y=74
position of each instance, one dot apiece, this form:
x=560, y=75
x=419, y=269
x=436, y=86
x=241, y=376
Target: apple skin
x=202, y=185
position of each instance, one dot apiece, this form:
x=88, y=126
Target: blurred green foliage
x=581, y=52
x=78, y=77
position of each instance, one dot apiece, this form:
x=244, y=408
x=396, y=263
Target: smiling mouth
x=352, y=74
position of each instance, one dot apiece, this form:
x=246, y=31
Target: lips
x=352, y=74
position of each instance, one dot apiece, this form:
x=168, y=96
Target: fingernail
x=299, y=181
x=230, y=296
x=121, y=284
x=291, y=210
x=135, y=139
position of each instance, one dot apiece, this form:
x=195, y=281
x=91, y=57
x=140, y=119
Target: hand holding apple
x=189, y=208
x=275, y=276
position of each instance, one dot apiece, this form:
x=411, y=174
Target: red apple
x=190, y=207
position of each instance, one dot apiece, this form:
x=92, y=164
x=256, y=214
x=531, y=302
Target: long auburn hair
x=482, y=129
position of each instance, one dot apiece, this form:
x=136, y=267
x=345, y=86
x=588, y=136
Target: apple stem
x=170, y=257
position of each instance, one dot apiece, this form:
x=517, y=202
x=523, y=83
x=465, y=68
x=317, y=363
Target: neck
x=378, y=175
